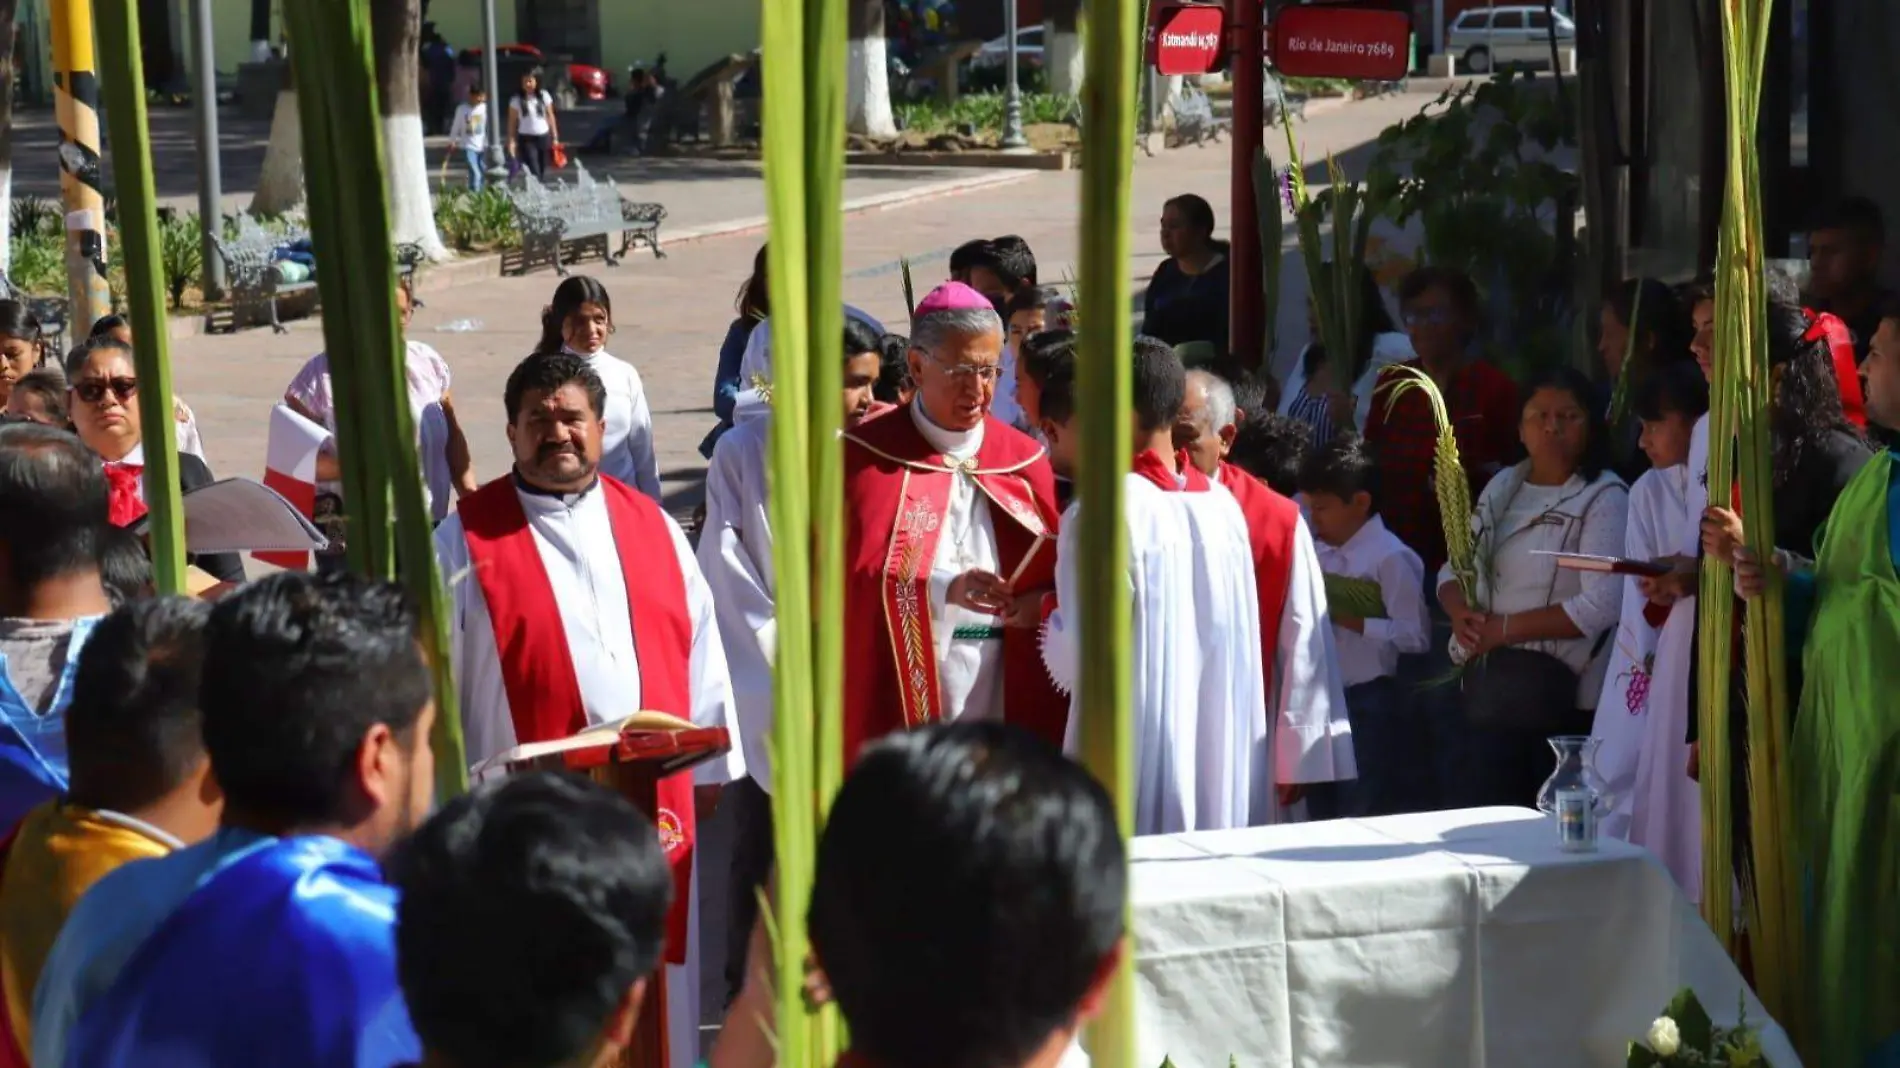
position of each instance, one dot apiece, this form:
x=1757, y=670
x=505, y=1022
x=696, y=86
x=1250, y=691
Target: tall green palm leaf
x=1104, y=391
x=390, y=531
x=122, y=80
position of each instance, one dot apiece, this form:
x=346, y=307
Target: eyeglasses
x=94, y=390
x=988, y=374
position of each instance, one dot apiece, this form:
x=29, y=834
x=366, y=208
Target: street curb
x=488, y=265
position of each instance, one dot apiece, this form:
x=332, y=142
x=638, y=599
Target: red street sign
x=1187, y=38
x=1341, y=42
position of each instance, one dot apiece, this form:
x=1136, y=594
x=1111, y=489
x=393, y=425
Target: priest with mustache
x=577, y=602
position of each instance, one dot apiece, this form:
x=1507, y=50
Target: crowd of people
x=222, y=834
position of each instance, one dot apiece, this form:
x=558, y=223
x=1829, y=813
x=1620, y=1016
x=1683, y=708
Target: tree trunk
x=396, y=30
x=867, y=108
x=1062, y=47
x=8, y=29
x=280, y=183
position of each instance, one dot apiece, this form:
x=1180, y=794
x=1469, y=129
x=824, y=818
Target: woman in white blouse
x=1561, y=498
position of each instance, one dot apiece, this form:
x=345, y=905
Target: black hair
x=1596, y=443
x=969, y=887
x=547, y=373
x=1857, y=215
x=1253, y=391
x=1673, y=387
x=860, y=336
x=969, y=256
x=1272, y=448
x=1015, y=263
x=893, y=370
x=1160, y=386
x=752, y=303
x=1659, y=317
x=575, y=291
x=1342, y=467
x=1374, y=318
x=133, y=732
x=1199, y=214
x=124, y=567
x=1807, y=403
x=82, y=354
x=1048, y=352
x=18, y=321
x=528, y=908
x=297, y=669
x=1030, y=298
x=1456, y=284
x=49, y=385
x=106, y=325
x=52, y=504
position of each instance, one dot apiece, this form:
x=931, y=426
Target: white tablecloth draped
x=1440, y=940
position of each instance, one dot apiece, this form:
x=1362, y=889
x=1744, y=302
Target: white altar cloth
x=1441, y=940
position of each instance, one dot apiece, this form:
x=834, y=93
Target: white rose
x=1664, y=1038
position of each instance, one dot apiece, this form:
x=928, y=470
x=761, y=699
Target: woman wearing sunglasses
x=103, y=393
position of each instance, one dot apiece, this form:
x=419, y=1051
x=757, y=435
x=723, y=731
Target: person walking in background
x=1187, y=299
x=533, y=127
x=468, y=135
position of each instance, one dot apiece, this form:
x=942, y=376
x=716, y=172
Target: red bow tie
x=124, y=504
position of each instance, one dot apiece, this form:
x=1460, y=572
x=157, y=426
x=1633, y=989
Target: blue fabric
x=109, y=924
x=477, y=177
x=726, y=384
x=33, y=746
x=286, y=957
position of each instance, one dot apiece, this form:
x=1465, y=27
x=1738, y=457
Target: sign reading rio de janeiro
x=1329, y=41
x=1187, y=38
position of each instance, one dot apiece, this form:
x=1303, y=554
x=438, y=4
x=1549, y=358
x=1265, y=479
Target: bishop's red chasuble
x=897, y=489
x=1271, y=519
x=537, y=668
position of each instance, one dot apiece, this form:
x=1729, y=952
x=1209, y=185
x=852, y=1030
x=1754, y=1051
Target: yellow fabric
x=59, y=852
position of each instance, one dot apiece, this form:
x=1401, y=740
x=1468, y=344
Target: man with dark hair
x=929, y=834
x=273, y=941
x=1016, y=261
x=1297, y=656
x=967, y=256
x=141, y=784
x=1196, y=649
x=893, y=371
x=583, y=605
x=532, y=915
x=996, y=268
x=1845, y=249
x=52, y=522
x=1271, y=447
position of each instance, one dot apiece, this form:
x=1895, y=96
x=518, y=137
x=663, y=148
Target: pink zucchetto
x=952, y=296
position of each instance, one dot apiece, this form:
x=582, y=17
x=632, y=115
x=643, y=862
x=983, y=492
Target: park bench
x=562, y=221
x=712, y=93
x=1194, y=121
x=251, y=278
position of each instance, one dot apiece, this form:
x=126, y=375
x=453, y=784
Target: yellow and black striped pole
x=76, y=106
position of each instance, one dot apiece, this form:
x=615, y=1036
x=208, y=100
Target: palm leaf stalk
x=122, y=80
x=1355, y=597
x=1271, y=209
x=1743, y=385
x=910, y=288
x=1104, y=386
x=803, y=135
x=390, y=533
x=1619, y=396
x=1449, y=481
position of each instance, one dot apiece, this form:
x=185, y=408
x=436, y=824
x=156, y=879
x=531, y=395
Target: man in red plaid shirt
x=1439, y=307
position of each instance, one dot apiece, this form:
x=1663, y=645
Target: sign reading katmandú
x=1316, y=41
x=1187, y=38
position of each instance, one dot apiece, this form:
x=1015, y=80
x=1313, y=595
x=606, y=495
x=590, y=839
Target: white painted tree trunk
x=280, y=183
x=411, y=206
x=9, y=26
x=867, y=108
x=1062, y=60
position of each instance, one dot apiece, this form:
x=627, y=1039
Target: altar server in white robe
x=1201, y=741
x=579, y=322
x=576, y=601
x=755, y=363
x=1629, y=723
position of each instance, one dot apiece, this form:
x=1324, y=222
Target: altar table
x=1461, y=939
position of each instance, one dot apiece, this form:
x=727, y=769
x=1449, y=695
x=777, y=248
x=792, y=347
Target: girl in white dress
x=579, y=320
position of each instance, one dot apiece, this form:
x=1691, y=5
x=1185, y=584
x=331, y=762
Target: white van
x=1486, y=38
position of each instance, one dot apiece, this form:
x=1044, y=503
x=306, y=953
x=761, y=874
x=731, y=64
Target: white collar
x=132, y=823
x=134, y=458
x=541, y=501
x=1363, y=538
x=961, y=444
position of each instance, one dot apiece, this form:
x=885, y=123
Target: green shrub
x=984, y=111
x=180, y=254
x=476, y=222
x=38, y=262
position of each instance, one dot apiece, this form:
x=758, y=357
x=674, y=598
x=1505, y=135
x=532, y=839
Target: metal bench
x=250, y=271
x=562, y=221
x=1194, y=121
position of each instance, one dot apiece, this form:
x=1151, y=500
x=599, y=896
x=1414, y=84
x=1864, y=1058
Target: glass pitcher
x=1575, y=794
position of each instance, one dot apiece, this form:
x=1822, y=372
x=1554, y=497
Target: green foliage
x=38, y=263
x=1475, y=170
x=1271, y=211
x=180, y=254
x=984, y=111
x=476, y=222
x=1319, y=86
x=35, y=217
x=1698, y=1041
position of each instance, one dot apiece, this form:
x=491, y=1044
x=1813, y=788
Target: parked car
x=1487, y=38
x=1028, y=49
x=590, y=82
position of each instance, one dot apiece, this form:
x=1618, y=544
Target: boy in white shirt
x=1339, y=482
x=468, y=134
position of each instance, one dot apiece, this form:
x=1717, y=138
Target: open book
x=238, y=515
x=1615, y=565
x=674, y=743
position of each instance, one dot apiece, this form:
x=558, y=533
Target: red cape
x=1270, y=522
x=892, y=472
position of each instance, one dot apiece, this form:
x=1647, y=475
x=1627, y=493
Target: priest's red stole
x=537, y=668
x=1271, y=520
